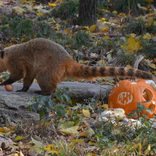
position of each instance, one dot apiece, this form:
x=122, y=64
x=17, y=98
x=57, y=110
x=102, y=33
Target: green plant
x=125, y=58
x=139, y=111
x=56, y=105
x=82, y=39
x=66, y=9
x=19, y=27
x=62, y=148
x=4, y=75
x=125, y=135
x=129, y=6
x=138, y=26
x=103, y=46
x=149, y=49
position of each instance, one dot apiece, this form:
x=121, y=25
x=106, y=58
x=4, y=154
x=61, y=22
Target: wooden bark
x=87, y=12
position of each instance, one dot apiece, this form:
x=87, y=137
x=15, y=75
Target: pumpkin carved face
x=127, y=93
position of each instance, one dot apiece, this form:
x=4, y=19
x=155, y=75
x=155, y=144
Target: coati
x=50, y=64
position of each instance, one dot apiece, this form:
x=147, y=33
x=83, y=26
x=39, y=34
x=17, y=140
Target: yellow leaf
x=122, y=14
x=77, y=141
x=103, y=19
x=19, y=10
x=133, y=35
x=32, y=1
x=21, y=154
x=68, y=112
x=103, y=28
x=92, y=35
x=106, y=38
x=133, y=45
x=140, y=148
x=52, y=4
x=104, y=106
x=20, y=138
x=45, y=124
x=4, y=129
x=147, y=36
x=86, y=27
x=23, y=1
x=86, y=113
x=83, y=134
x=150, y=19
x=71, y=130
x=149, y=1
x=129, y=66
x=57, y=26
x=114, y=12
x=148, y=149
x=93, y=28
x=102, y=62
x=49, y=147
x=89, y=154
x=67, y=31
x=39, y=13
x=152, y=65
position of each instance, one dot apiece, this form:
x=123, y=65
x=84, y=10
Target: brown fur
x=50, y=64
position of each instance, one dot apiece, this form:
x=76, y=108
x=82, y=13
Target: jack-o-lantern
x=127, y=93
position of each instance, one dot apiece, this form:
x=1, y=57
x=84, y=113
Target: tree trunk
x=87, y=12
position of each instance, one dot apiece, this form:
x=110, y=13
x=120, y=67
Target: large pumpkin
x=127, y=93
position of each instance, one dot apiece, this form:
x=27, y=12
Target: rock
x=14, y=104
x=5, y=142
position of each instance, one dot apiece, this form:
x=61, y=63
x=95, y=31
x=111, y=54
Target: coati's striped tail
x=76, y=70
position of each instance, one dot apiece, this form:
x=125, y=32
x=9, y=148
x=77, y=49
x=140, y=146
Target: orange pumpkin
x=127, y=93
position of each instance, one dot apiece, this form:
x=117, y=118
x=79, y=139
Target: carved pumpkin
x=127, y=93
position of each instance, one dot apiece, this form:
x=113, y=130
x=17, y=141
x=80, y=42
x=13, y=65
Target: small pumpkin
x=127, y=93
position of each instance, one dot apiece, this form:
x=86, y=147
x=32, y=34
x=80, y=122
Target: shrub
x=66, y=10
x=82, y=38
x=20, y=27
x=138, y=26
x=129, y=6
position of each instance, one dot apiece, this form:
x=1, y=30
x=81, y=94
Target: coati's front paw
x=21, y=90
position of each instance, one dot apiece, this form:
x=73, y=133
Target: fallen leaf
x=93, y=28
x=147, y=36
x=38, y=13
x=20, y=138
x=52, y=4
x=86, y=113
x=71, y=130
x=90, y=132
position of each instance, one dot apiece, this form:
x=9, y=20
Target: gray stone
x=14, y=104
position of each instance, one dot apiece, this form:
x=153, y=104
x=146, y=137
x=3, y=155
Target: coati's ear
x=1, y=50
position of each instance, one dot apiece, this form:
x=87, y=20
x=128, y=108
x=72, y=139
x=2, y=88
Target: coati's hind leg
x=46, y=89
x=47, y=85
